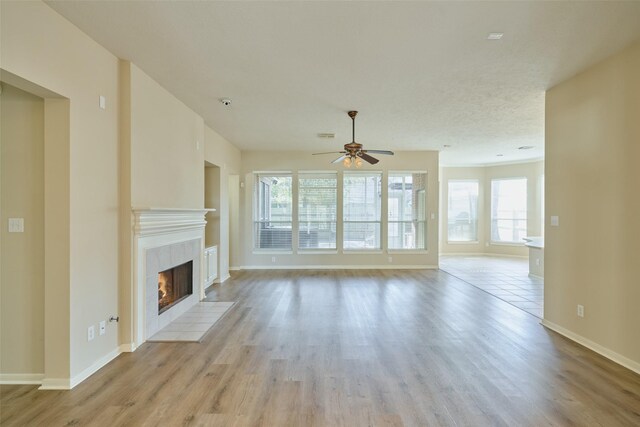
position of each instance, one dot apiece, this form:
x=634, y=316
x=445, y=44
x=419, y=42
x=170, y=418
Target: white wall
x=22, y=254
x=299, y=161
x=533, y=171
x=592, y=175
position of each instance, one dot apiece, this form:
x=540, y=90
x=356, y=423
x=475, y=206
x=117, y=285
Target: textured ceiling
x=422, y=74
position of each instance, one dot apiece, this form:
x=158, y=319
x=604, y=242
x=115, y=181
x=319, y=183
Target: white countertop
x=534, y=242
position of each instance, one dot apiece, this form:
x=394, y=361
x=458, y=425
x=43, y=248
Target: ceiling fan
x=353, y=152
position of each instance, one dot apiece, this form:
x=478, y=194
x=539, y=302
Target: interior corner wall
x=592, y=149
x=74, y=66
x=227, y=158
x=167, y=148
x=253, y=161
x=22, y=260
x=533, y=171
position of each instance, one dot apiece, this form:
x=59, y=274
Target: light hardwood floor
x=349, y=348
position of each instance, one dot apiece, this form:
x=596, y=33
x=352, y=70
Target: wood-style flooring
x=349, y=348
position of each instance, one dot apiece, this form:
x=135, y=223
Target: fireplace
x=174, y=285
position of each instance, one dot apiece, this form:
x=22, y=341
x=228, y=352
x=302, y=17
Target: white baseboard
x=222, y=280
x=68, y=384
x=55, y=384
x=339, y=267
x=21, y=378
x=95, y=367
x=609, y=354
x=487, y=254
x=234, y=269
x=127, y=348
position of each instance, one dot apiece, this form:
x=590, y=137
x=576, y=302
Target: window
x=463, y=211
x=317, y=206
x=508, y=210
x=273, y=216
x=407, y=210
x=362, y=210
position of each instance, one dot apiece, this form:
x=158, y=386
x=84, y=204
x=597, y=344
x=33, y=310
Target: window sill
x=272, y=251
x=506, y=244
x=408, y=251
x=470, y=242
x=362, y=251
x=317, y=251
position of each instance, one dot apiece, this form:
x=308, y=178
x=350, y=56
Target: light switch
x=433, y=216
x=103, y=102
x=16, y=225
x=555, y=221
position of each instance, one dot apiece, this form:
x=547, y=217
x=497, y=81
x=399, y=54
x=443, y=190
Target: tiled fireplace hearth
x=168, y=247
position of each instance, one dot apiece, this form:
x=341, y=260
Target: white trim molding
x=339, y=267
x=603, y=351
x=55, y=384
x=11, y=379
x=148, y=221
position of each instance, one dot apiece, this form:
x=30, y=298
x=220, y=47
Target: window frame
x=493, y=220
x=464, y=242
x=301, y=175
x=261, y=204
x=344, y=221
x=425, y=221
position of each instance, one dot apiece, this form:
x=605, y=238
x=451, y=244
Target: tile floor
x=192, y=325
x=503, y=277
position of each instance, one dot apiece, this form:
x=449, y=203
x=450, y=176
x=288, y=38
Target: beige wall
x=592, y=175
x=299, y=161
x=227, y=159
x=22, y=260
x=167, y=148
x=533, y=171
x=77, y=68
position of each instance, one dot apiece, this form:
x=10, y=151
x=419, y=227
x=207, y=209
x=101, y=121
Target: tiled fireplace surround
x=163, y=238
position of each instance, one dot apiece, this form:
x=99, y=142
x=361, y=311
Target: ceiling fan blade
x=387, y=152
x=368, y=158
x=339, y=159
x=329, y=152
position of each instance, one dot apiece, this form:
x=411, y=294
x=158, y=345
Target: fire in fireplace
x=174, y=285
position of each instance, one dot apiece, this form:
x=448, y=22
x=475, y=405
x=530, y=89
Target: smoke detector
x=225, y=101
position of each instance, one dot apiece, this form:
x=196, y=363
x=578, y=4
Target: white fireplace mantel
x=162, y=220
x=155, y=228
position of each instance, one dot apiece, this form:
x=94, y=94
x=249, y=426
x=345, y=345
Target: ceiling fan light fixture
x=358, y=162
x=347, y=162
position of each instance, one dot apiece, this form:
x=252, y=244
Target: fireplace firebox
x=174, y=285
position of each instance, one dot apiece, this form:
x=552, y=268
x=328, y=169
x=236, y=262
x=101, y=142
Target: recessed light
x=499, y=155
x=225, y=101
x=446, y=146
x=526, y=147
x=495, y=36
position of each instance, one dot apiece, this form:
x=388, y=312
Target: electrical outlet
x=273, y=259
x=538, y=262
x=91, y=333
x=580, y=310
x=390, y=259
x=103, y=327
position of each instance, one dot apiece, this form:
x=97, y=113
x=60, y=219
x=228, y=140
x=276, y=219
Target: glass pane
x=361, y=235
x=508, y=210
x=273, y=235
x=406, y=235
x=317, y=235
x=317, y=208
x=272, y=229
x=407, y=197
x=362, y=197
x=463, y=211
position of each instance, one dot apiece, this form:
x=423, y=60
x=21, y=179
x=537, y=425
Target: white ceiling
x=422, y=74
